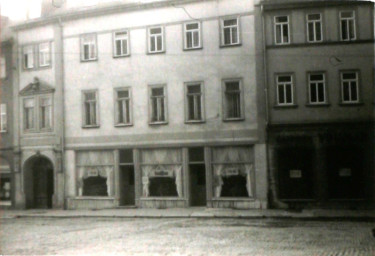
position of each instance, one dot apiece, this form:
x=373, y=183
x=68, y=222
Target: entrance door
x=197, y=184
x=127, y=191
x=42, y=184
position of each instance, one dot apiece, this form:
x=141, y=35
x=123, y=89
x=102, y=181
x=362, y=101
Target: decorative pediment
x=36, y=87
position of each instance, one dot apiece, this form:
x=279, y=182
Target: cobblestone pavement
x=99, y=236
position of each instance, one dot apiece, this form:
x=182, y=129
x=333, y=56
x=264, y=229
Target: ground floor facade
x=6, y=178
x=321, y=165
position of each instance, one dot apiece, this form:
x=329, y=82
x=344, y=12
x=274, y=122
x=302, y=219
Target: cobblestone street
x=167, y=236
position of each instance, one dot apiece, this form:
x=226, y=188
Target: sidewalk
x=201, y=212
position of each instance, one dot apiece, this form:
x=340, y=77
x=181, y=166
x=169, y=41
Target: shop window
x=4, y=190
x=233, y=171
x=162, y=186
x=230, y=32
x=95, y=186
x=282, y=30
x=347, y=25
x=192, y=35
x=88, y=47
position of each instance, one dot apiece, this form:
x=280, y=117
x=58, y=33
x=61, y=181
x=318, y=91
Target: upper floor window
x=155, y=39
x=317, y=88
x=28, y=57
x=158, y=104
x=37, y=108
x=347, y=25
x=29, y=114
x=44, y=54
x=282, y=30
x=45, y=105
x=233, y=99
x=90, y=109
x=3, y=67
x=284, y=89
x=88, y=47
x=3, y=117
x=230, y=31
x=314, y=28
x=194, y=102
x=192, y=35
x=349, y=87
x=123, y=106
x=121, y=43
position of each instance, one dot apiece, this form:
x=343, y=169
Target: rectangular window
x=194, y=102
x=284, y=89
x=282, y=30
x=192, y=35
x=45, y=113
x=88, y=47
x=3, y=117
x=347, y=25
x=3, y=67
x=44, y=54
x=28, y=57
x=121, y=43
x=314, y=28
x=90, y=108
x=123, y=107
x=232, y=100
x=155, y=39
x=230, y=31
x=29, y=113
x=157, y=104
x=349, y=87
x=317, y=88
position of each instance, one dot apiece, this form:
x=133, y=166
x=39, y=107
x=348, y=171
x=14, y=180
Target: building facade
x=319, y=78
x=147, y=105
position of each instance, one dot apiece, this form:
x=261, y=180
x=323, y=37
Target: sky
x=17, y=9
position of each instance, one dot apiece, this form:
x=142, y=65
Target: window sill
x=351, y=104
x=195, y=121
x=90, y=126
x=230, y=45
x=121, y=56
x=312, y=105
x=123, y=125
x=285, y=106
x=94, y=197
x=158, y=123
x=4, y=131
x=152, y=53
x=233, y=199
x=234, y=119
x=282, y=44
x=193, y=49
x=90, y=60
x=159, y=198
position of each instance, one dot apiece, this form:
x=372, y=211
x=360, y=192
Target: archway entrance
x=38, y=183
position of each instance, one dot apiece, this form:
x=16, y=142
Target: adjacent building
x=319, y=80
x=140, y=104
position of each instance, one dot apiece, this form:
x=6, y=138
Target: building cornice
x=290, y=4
x=98, y=11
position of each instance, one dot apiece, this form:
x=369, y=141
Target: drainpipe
x=271, y=175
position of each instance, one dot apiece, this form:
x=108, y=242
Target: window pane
x=231, y=22
x=311, y=31
x=87, y=113
x=313, y=93
x=126, y=156
x=232, y=86
x=189, y=40
x=118, y=47
x=316, y=77
x=191, y=108
x=346, y=93
x=121, y=35
x=123, y=94
x=321, y=92
x=288, y=94
x=154, y=31
x=160, y=43
x=124, y=46
x=318, y=31
x=90, y=96
x=157, y=91
x=313, y=17
x=347, y=14
x=278, y=34
x=196, y=154
x=192, y=26
x=227, y=39
x=194, y=88
x=349, y=75
x=281, y=94
x=282, y=19
x=153, y=42
x=344, y=30
x=196, y=38
x=284, y=78
x=285, y=34
x=353, y=89
x=86, y=55
x=234, y=35
x=351, y=29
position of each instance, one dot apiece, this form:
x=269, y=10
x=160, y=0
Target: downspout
x=271, y=175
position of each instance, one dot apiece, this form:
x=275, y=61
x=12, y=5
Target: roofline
x=308, y=4
x=115, y=8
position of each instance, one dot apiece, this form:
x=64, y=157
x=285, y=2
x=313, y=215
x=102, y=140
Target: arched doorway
x=38, y=182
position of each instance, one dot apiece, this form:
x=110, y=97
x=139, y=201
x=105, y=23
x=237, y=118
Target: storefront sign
x=295, y=174
x=345, y=172
x=161, y=173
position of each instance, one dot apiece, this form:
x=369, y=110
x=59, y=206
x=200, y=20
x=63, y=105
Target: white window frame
x=129, y=109
x=315, y=24
x=3, y=67
x=164, y=96
x=195, y=96
x=284, y=84
x=50, y=106
x=316, y=83
x=193, y=32
x=34, y=114
x=28, y=51
x=281, y=25
x=155, y=38
x=241, y=98
x=3, y=117
x=231, y=28
x=356, y=80
x=121, y=38
x=84, y=123
x=89, y=40
x=348, y=21
x=44, y=54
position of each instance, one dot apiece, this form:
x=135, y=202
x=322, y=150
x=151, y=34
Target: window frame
x=222, y=34
x=202, y=102
x=115, y=55
x=292, y=83
x=150, y=109
x=82, y=47
x=40, y=112
x=116, y=90
x=3, y=66
x=84, y=124
x=281, y=24
x=34, y=116
x=353, y=18
x=32, y=54
x=310, y=82
x=149, y=36
x=241, y=117
x=314, y=22
x=48, y=54
x=357, y=80
x=3, y=120
x=185, y=31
